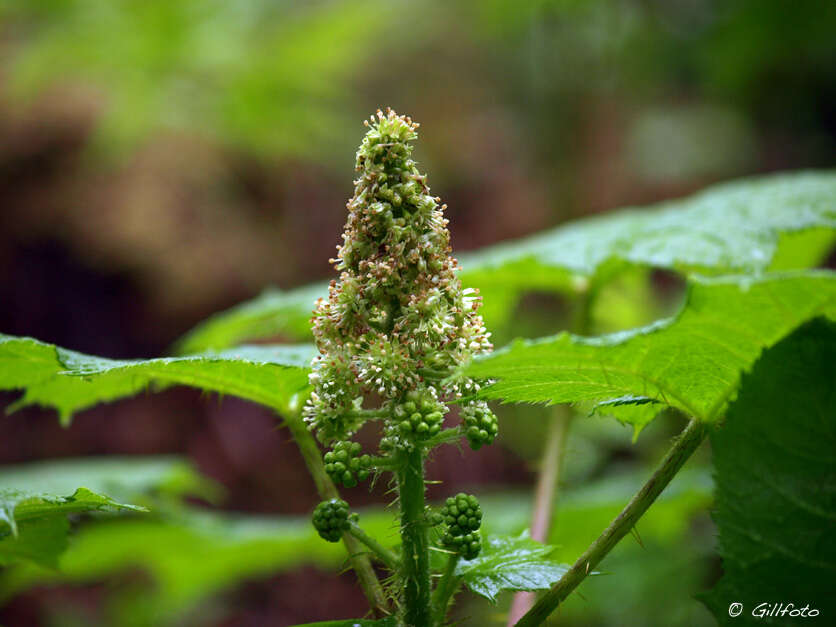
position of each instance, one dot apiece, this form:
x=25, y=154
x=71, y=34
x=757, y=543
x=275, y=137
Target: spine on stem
x=414, y=541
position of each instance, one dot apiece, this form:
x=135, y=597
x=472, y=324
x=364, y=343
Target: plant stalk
x=327, y=490
x=547, y=480
x=677, y=455
x=383, y=554
x=444, y=590
x=415, y=559
x=544, y=498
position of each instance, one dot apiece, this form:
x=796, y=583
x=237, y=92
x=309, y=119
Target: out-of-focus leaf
x=17, y=505
x=123, y=478
x=192, y=556
x=33, y=524
x=803, y=249
x=737, y=227
x=38, y=496
x=507, y=563
x=775, y=471
x=265, y=75
x=581, y=513
x=273, y=312
x=40, y=540
x=691, y=362
x=198, y=555
x=69, y=381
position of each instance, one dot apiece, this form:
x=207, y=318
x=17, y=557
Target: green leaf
x=71, y=381
x=191, y=556
x=691, y=362
x=17, y=505
x=274, y=312
x=122, y=478
x=196, y=556
x=729, y=227
x=803, y=249
x=33, y=523
x=510, y=564
x=638, y=411
x=775, y=473
x=38, y=497
x=740, y=227
x=41, y=540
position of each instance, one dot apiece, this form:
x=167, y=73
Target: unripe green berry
x=331, y=519
x=351, y=468
x=420, y=415
x=480, y=424
x=463, y=517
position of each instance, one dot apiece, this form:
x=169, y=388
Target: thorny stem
x=414, y=542
x=383, y=554
x=325, y=488
x=677, y=455
x=444, y=589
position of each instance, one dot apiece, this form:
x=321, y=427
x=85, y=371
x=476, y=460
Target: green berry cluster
x=420, y=415
x=463, y=517
x=345, y=465
x=330, y=519
x=480, y=424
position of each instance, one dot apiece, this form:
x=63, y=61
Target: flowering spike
x=398, y=307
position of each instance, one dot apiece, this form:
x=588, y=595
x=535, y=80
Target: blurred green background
x=162, y=160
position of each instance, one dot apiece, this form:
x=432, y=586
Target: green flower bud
x=351, y=468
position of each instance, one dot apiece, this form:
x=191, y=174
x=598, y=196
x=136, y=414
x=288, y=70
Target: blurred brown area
x=529, y=118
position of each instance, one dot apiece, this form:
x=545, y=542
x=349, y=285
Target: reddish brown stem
x=544, y=498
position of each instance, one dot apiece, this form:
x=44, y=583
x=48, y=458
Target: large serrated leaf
x=507, y=563
x=70, y=381
x=775, y=474
x=740, y=227
x=691, y=362
x=734, y=227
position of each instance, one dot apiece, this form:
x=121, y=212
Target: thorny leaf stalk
x=392, y=337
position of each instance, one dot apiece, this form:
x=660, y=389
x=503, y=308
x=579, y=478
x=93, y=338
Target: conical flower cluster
x=397, y=320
